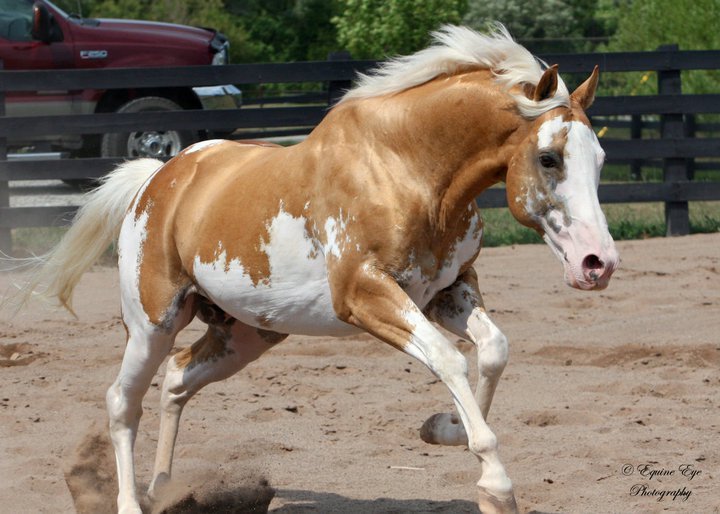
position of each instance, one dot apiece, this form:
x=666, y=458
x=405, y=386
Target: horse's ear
x=584, y=95
x=547, y=86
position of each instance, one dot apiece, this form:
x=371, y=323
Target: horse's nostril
x=592, y=262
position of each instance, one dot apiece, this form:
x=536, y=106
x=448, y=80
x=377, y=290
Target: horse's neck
x=454, y=134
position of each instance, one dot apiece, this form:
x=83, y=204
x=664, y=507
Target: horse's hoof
x=445, y=429
x=491, y=504
x=156, y=486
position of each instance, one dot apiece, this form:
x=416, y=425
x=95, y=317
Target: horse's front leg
x=373, y=301
x=459, y=309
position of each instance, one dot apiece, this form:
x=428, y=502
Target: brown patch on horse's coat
x=210, y=347
x=212, y=314
x=270, y=337
x=445, y=304
x=263, y=320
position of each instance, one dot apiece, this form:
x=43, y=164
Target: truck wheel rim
x=154, y=144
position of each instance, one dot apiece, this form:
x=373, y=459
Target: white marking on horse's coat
x=133, y=234
x=422, y=289
x=294, y=298
x=580, y=229
x=583, y=158
x=202, y=145
x=421, y=330
x=549, y=129
x=335, y=229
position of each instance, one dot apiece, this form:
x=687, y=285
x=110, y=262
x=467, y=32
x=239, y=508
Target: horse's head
x=552, y=184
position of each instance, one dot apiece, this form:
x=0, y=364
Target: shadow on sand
x=92, y=483
x=329, y=503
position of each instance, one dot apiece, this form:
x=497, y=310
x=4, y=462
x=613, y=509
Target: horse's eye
x=549, y=160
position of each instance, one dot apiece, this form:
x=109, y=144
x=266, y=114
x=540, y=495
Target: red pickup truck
x=39, y=35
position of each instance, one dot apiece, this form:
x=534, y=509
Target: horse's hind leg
x=227, y=347
x=143, y=355
x=148, y=344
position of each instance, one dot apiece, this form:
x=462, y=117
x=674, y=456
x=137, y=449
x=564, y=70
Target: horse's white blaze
x=582, y=229
x=583, y=158
x=294, y=298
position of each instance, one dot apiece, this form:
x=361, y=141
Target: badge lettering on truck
x=93, y=54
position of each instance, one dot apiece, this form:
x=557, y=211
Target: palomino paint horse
x=370, y=224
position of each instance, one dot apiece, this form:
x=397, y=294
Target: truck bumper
x=219, y=97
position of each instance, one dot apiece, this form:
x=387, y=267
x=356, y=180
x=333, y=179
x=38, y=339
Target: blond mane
x=459, y=47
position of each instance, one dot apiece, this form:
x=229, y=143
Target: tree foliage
x=258, y=30
x=648, y=24
x=288, y=30
x=378, y=28
x=295, y=30
x=543, y=27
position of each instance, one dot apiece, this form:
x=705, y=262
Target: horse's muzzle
x=596, y=270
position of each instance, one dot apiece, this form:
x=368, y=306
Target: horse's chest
x=422, y=283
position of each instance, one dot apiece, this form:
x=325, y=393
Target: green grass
x=621, y=173
x=625, y=221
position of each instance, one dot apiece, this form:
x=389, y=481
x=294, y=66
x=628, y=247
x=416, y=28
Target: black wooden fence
x=674, y=149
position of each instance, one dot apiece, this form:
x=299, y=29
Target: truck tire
x=149, y=143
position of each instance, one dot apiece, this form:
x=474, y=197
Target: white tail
x=95, y=226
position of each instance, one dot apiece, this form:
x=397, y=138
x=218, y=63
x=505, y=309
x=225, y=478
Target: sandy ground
x=602, y=390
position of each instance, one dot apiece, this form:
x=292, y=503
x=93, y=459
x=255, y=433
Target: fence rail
x=676, y=150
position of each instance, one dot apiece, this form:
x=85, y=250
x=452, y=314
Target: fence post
x=636, y=133
x=5, y=232
x=677, y=217
x=690, y=132
x=337, y=88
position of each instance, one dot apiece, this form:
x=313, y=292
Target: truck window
x=15, y=20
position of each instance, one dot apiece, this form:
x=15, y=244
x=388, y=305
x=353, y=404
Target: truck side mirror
x=41, y=25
